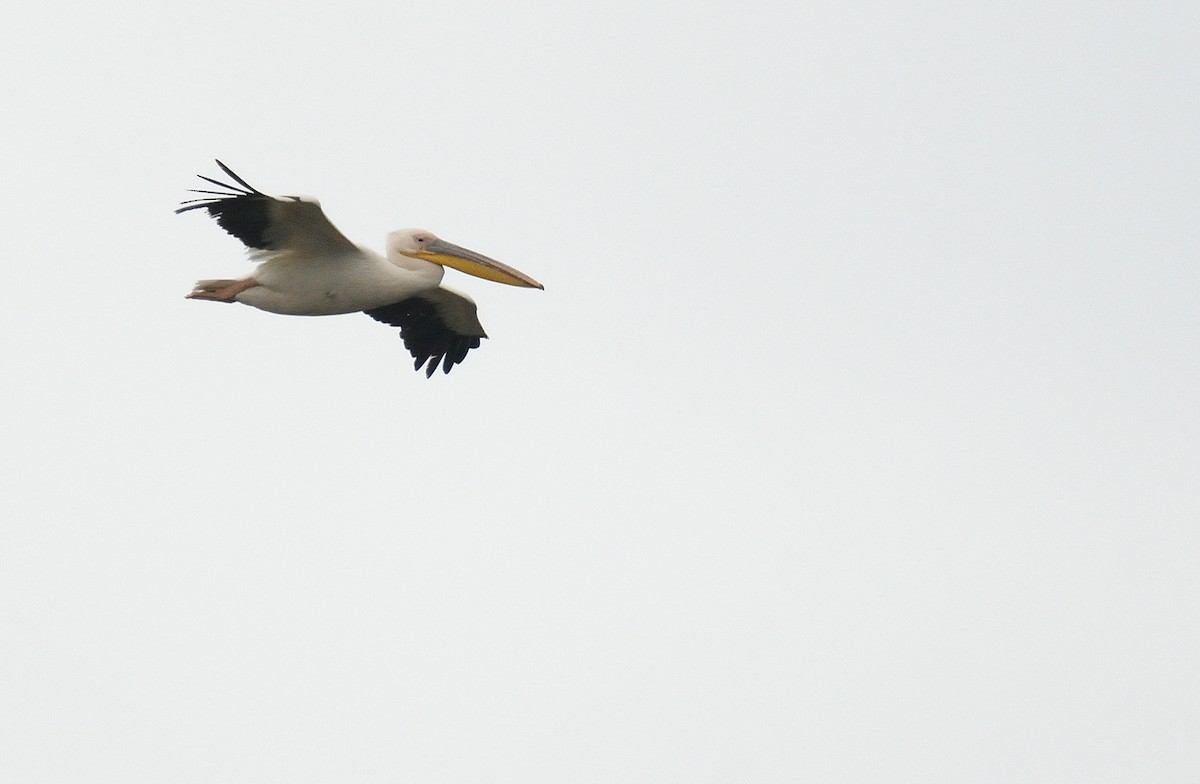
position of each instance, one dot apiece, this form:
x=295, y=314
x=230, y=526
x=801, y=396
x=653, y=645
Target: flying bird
x=306, y=267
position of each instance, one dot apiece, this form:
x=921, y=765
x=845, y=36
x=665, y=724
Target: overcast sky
x=854, y=438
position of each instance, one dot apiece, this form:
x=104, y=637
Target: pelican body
x=306, y=267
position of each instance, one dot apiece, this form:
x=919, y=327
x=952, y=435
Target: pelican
x=306, y=267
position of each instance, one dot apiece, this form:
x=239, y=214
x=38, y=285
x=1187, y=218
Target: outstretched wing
x=269, y=225
x=438, y=326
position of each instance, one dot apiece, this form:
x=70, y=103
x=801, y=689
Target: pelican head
x=425, y=245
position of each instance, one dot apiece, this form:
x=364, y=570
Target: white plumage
x=306, y=267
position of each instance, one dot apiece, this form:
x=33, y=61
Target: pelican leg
x=221, y=290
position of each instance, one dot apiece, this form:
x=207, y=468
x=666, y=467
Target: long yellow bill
x=450, y=255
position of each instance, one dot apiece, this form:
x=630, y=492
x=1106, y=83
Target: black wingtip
x=213, y=197
x=240, y=209
x=430, y=341
x=236, y=178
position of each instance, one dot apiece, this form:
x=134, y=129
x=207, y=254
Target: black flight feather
x=243, y=213
x=425, y=334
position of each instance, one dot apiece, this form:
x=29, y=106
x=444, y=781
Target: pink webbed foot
x=221, y=290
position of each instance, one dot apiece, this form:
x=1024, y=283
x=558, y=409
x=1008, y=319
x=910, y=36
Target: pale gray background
x=854, y=438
